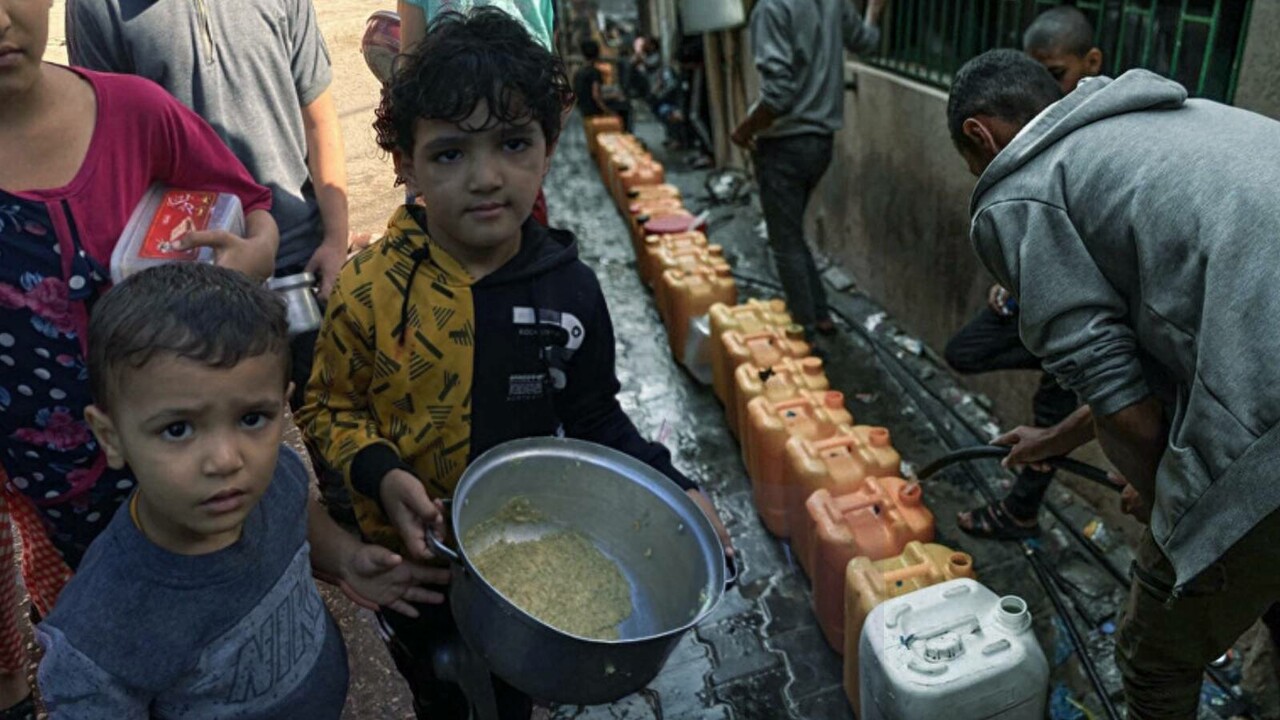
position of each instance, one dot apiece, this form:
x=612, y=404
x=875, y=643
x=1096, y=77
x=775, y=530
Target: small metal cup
x=301, y=306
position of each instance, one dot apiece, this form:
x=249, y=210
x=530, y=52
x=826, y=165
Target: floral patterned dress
x=47, y=285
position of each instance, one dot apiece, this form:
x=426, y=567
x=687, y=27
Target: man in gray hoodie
x=1138, y=230
x=798, y=47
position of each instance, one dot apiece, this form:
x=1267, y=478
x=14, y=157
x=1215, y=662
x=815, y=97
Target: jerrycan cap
x=943, y=648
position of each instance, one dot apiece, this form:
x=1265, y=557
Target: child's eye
x=177, y=431
x=449, y=156
x=254, y=420
x=516, y=144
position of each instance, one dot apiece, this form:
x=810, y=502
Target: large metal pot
x=666, y=548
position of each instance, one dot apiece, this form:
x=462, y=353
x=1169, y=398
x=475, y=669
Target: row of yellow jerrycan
x=860, y=532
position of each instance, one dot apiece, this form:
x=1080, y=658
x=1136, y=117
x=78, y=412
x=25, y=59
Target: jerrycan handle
x=909, y=572
x=791, y=404
x=847, y=442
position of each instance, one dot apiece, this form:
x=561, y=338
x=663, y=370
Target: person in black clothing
x=588, y=86
x=990, y=342
x=1061, y=39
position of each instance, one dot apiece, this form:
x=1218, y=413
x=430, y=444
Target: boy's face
x=478, y=186
x=202, y=442
x=1069, y=68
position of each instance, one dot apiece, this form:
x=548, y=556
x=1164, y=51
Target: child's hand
x=374, y=577
x=410, y=511
x=254, y=255
x=709, y=510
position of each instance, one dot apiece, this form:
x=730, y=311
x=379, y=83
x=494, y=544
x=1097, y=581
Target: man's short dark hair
x=1059, y=29
x=200, y=312
x=487, y=56
x=1005, y=84
x=591, y=49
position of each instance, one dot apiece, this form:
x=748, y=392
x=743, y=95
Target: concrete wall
x=893, y=210
x=1259, y=86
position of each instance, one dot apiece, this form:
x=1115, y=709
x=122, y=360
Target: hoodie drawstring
x=419, y=255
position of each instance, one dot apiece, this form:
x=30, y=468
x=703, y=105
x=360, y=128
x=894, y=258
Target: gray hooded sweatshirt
x=1140, y=232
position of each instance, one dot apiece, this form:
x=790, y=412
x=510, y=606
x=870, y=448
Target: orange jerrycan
x=781, y=381
x=653, y=192
x=686, y=294
x=648, y=172
x=648, y=265
x=766, y=428
x=597, y=125
x=839, y=464
x=867, y=583
x=764, y=349
x=749, y=317
x=688, y=257
x=876, y=522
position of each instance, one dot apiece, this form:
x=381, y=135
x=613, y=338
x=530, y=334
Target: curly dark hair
x=464, y=59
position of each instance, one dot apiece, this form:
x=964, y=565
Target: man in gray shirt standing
x=258, y=71
x=798, y=47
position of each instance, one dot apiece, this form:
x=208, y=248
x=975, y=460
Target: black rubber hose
x=1075, y=467
x=1073, y=633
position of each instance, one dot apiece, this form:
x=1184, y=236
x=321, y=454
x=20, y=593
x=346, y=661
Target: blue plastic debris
x=1061, y=705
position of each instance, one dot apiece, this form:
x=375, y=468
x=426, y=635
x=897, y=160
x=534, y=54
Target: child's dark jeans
x=991, y=342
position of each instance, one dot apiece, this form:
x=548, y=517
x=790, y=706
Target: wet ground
x=761, y=655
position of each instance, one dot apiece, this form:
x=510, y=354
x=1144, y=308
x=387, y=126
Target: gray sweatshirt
x=140, y=632
x=798, y=47
x=246, y=66
x=1138, y=230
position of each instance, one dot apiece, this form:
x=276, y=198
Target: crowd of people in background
x=163, y=526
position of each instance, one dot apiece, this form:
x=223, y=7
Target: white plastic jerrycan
x=954, y=651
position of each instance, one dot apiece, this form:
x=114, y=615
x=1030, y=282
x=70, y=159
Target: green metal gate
x=1196, y=42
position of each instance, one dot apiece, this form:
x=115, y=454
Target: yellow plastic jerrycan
x=749, y=317
x=686, y=294
x=867, y=583
x=763, y=348
x=780, y=381
x=648, y=263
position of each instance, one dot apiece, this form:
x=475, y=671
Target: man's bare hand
x=1030, y=445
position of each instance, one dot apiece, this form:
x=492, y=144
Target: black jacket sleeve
x=588, y=405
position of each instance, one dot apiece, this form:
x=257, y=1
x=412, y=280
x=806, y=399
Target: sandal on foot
x=993, y=522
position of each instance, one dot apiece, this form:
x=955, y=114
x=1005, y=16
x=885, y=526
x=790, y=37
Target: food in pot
x=559, y=577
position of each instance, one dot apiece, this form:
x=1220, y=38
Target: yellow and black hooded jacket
x=419, y=367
